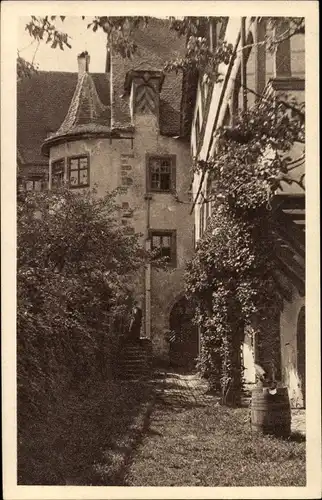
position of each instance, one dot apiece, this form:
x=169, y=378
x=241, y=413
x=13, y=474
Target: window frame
x=172, y=233
x=78, y=157
x=34, y=179
x=58, y=160
x=173, y=172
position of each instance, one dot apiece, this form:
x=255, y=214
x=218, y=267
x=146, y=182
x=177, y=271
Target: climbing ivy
x=230, y=278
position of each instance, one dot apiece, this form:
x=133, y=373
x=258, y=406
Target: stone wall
x=289, y=348
x=122, y=162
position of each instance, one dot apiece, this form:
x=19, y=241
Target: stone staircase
x=135, y=361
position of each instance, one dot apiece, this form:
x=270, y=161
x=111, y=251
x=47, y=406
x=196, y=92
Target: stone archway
x=184, y=339
x=300, y=340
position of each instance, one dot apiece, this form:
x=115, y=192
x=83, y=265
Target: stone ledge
x=286, y=84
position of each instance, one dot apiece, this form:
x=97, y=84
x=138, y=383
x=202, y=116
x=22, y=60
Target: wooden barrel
x=271, y=413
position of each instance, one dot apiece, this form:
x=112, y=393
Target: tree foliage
x=119, y=36
x=230, y=278
x=120, y=29
x=75, y=267
x=254, y=157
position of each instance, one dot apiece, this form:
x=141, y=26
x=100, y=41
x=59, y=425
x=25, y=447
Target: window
x=57, y=173
x=161, y=173
x=34, y=184
x=78, y=171
x=163, y=244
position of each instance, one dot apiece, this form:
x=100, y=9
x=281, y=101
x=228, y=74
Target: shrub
x=74, y=294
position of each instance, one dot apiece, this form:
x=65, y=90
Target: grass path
x=193, y=441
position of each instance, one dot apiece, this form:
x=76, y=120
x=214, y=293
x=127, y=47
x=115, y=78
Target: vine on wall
x=230, y=278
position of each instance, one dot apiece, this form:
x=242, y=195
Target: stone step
x=135, y=372
x=135, y=364
x=135, y=360
x=135, y=355
x=141, y=359
x=135, y=367
x=140, y=355
x=136, y=351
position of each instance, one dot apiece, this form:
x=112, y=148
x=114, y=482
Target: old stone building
x=123, y=127
x=135, y=126
x=268, y=74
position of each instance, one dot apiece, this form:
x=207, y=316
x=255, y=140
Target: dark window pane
x=166, y=241
x=58, y=167
x=83, y=177
x=166, y=252
x=73, y=177
x=155, y=181
x=156, y=241
x=37, y=185
x=83, y=162
x=74, y=164
x=165, y=164
x=165, y=182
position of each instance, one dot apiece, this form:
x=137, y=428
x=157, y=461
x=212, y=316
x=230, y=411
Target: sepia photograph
x=161, y=223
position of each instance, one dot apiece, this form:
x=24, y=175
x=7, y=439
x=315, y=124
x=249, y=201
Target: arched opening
x=184, y=339
x=300, y=337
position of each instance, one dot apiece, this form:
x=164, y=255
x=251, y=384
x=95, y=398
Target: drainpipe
x=147, y=285
x=66, y=164
x=49, y=173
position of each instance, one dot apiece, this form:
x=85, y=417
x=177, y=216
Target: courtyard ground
x=194, y=441
x=169, y=431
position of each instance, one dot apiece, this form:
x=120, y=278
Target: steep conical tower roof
x=86, y=113
x=85, y=107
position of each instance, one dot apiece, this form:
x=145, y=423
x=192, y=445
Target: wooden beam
x=260, y=56
x=283, y=52
x=289, y=273
x=286, y=229
x=243, y=63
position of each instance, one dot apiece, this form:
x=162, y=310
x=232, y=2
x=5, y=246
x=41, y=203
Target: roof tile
x=42, y=103
x=53, y=103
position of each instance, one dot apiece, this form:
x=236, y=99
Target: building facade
x=137, y=127
x=270, y=75
x=123, y=128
